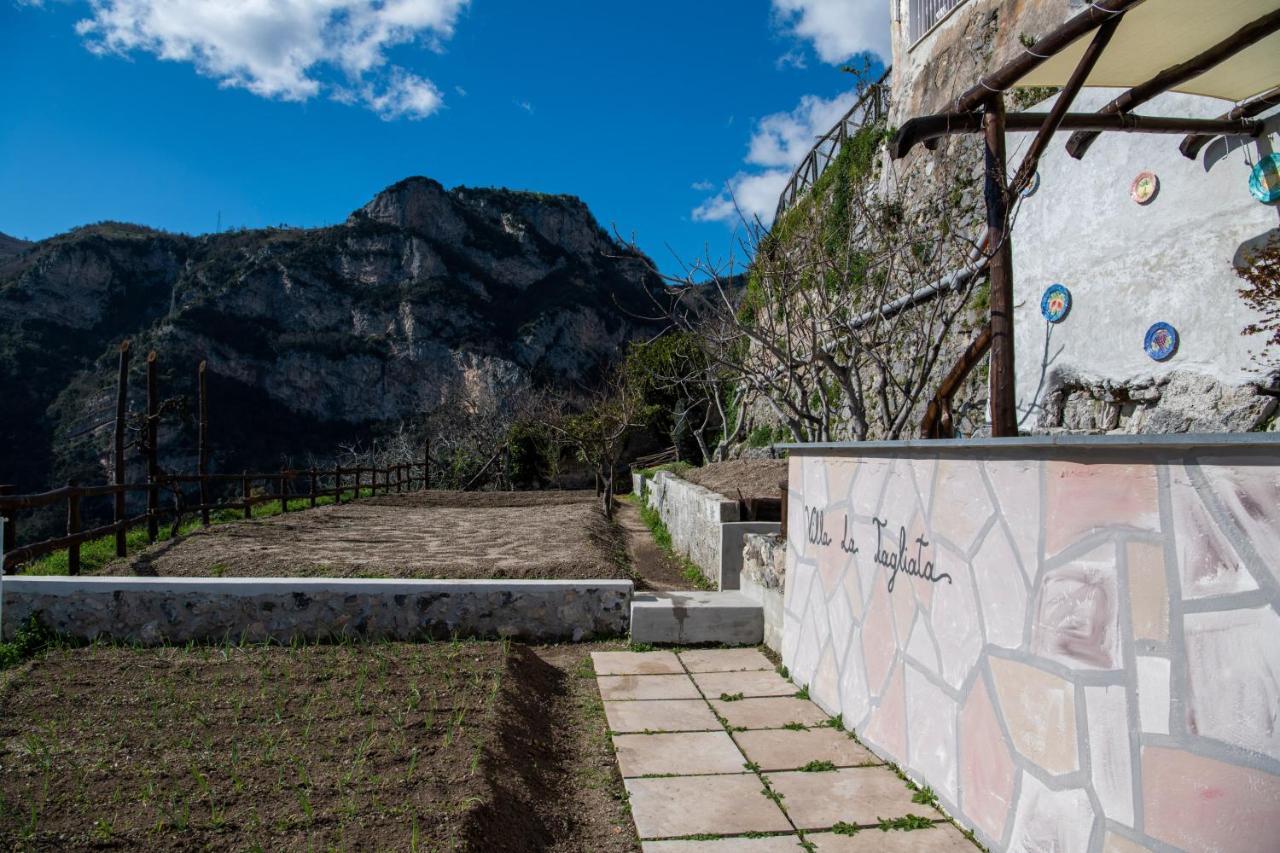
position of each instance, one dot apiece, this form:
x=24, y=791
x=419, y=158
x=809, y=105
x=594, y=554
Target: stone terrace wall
x=764, y=574
x=178, y=610
x=1075, y=642
x=693, y=515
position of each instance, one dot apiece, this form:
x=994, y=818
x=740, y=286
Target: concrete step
x=686, y=618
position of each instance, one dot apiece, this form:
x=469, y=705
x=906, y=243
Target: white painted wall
x=1128, y=266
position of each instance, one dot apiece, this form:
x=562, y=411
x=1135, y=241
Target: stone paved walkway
x=718, y=754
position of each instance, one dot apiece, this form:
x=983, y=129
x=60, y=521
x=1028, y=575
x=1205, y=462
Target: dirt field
x=756, y=478
x=467, y=746
x=542, y=535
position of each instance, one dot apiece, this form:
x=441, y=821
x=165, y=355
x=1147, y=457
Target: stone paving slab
x=724, y=660
x=771, y=844
x=942, y=838
x=680, y=753
x=783, y=749
x=703, y=805
x=622, y=687
x=771, y=712
x=636, y=663
x=861, y=795
x=757, y=683
x=661, y=715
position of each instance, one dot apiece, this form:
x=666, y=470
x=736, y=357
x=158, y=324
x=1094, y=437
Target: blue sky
x=169, y=112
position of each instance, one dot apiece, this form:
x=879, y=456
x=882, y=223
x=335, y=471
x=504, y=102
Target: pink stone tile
x=636, y=663
x=954, y=618
x=679, y=753
x=1077, y=613
x=870, y=484
x=887, y=728
x=669, y=715
x=922, y=588
x=931, y=722
x=1040, y=712
x=1051, y=820
x=1002, y=590
x=786, y=749
x=1233, y=677
x=622, y=687
x=961, y=505
x=769, y=844
x=713, y=684
x=772, y=712
x=824, y=689
x=942, y=838
x=1082, y=498
x=855, y=700
x=702, y=805
x=1197, y=803
x=858, y=795
x=1207, y=562
x=724, y=660
x=1119, y=844
x=1250, y=494
x=1148, y=591
x=878, y=642
x=986, y=766
x=1017, y=487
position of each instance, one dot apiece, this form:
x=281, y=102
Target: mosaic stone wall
x=1078, y=649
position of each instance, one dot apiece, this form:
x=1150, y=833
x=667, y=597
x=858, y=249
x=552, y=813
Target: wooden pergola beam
x=1195, y=143
x=925, y=129
x=1045, y=48
x=1176, y=75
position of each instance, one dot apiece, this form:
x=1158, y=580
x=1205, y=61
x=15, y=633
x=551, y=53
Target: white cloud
x=702, y=186
x=778, y=144
x=286, y=49
x=838, y=29
x=791, y=59
x=524, y=105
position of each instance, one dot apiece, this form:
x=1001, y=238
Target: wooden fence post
x=153, y=460
x=244, y=490
x=337, y=483
x=426, y=467
x=284, y=491
x=122, y=410
x=203, y=445
x=357, y=497
x=73, y=528
x=10, y=528
x=399, y=478
x=313, y=488
x=783, y=486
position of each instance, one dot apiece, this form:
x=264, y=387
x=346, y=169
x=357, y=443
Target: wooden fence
x=281, y=485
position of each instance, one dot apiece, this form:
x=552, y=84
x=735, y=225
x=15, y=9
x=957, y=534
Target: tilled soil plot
x=754, y=478
x=439, y=746
x=542, y=535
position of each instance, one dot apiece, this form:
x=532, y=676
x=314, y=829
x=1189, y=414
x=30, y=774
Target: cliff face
x=313, y=336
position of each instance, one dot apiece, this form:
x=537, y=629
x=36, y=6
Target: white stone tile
x=1153, y=694
x=1109, y=758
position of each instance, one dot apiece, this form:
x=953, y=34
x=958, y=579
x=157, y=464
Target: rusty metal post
x=153, y=458
x=1004, y=409
x=203, y=445
x=118, y=475
x=244, y=490
x=73, y=528
x=313, y=488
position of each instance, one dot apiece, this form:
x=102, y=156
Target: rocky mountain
x=10, y=246
x=423, y=297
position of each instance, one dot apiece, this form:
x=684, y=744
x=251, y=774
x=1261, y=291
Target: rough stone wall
x=178, y=610
x=693, y=515
x=1074, y=642
x=764, y=570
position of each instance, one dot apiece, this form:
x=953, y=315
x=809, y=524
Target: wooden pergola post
x=1004, y=412
x=122, y=410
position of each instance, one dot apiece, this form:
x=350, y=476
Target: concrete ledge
x=1036, y=446
x=696, y=617
x=178, y=610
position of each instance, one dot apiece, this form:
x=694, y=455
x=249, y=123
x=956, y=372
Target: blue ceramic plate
x=1055, y=305
x=1264, y=180
x=1032, y=185
x=1161, y=341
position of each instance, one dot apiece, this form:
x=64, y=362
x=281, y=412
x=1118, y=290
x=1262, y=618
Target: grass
x=97, y=553
x=30, y=639
x=662, y=536
x=676, y=468
x=816, y=766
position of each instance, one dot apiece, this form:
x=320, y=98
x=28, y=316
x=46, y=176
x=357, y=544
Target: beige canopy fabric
x=1162, y=33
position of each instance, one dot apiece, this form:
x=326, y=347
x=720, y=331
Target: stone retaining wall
x=693, y=515
x=1074, y=642
x=763, y=578
x=178, y=610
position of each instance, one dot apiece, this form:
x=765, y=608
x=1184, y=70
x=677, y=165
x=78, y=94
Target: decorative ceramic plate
x=1055, y=305
x=1161, y=341
x=1144, y=187
x=1032, y=185
x=1264, y=181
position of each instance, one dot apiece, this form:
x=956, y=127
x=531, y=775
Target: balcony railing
x=925, y=13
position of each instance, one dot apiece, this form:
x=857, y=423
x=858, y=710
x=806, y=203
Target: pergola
x=1228, y=49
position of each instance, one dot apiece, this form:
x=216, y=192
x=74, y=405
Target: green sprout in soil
x=803, y=693
x=796, y=727
x=816, y=766
x=925, y=797
x=843, y=828
x=905, y=824
x=730, y=697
